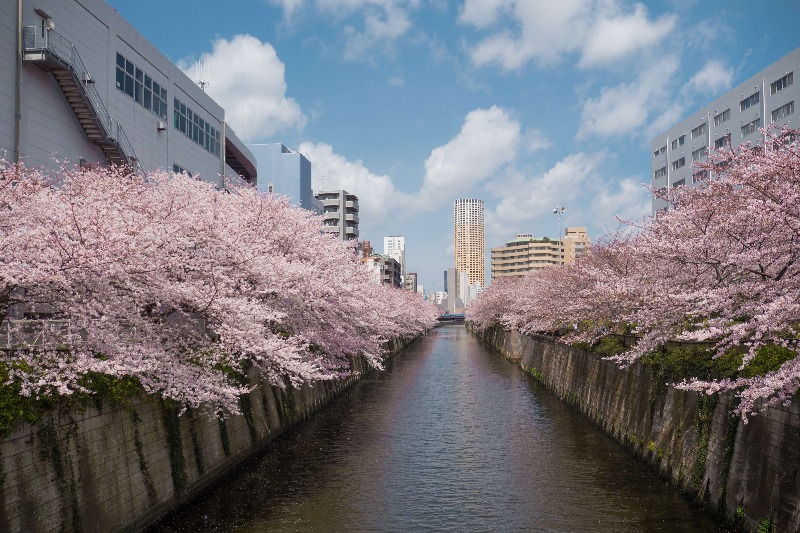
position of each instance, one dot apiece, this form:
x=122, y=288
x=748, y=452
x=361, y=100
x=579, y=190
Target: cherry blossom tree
x=175, y=283
x=721, y=265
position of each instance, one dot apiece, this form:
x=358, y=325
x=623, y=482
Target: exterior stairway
x=58, y=56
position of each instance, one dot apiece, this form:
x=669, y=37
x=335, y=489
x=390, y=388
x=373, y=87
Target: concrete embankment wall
x=123, y=469
x=746, y=474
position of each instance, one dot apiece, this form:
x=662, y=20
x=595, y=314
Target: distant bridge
x=451, y=317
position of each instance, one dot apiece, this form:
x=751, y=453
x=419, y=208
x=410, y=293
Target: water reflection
x=449, y=438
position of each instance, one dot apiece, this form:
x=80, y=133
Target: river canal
x=450, y=438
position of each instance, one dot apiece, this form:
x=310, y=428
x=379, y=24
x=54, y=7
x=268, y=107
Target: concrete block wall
x=124, y=469
x=748, y=475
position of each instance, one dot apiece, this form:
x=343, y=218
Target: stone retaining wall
x=746, y=474
x=124, y=469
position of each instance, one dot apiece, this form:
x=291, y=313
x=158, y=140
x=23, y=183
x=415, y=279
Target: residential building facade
x=383, y=269
x=470, y=245
x=524, y=253
x=410, y=281
x=340, y=213
x=395, y=246
x=576, y=244
x=91, y=90
x=766, y=99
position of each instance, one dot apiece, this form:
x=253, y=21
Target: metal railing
x=35, y=39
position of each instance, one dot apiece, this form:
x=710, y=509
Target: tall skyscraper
x=470, y=246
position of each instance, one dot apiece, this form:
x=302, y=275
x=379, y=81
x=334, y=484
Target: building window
x=699, y=130
x=725, y=140
x=135, y=83
x=679, y=183
x=722, y=117
x=660, y=173
x=196, y=128
x=678, y=142
x=783, y=111
x=750, y=127
x=699, y=176
x=749, y=102
x=699, y=154
x=781, y=84
x=679, y=163
x=177, y=169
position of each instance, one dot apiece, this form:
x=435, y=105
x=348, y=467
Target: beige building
x=576, y=244
x=470, y=245
x=526, y=252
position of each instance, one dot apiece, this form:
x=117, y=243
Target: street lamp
x=560, y=211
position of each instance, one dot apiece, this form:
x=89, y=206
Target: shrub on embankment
x=120, y=283
x=721, y=266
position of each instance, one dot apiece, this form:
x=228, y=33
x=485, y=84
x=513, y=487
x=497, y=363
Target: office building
x=340, y=213
x=765, y=99
x=92, y=90
x=284, y=172
x=470, y=246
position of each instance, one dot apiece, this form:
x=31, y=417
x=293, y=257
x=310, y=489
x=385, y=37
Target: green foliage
x=609, y=346
x=692, y=361
x=767, y=359
x=535, y=374
x=15, y=408
x=766, y=526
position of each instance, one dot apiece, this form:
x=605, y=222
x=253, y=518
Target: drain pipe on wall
x=18, y=89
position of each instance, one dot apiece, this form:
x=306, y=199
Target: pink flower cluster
x=165, y=278
x=721, y=265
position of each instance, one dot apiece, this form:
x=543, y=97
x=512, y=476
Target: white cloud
x=627, y=199
x=623, y=109
x=488, y=139
x=535, y=140
x=544, y=31
x=246, y=78
x=525, y=200
x=713, y=78
x=378, y=197
x=381, y=21
x=617, y=36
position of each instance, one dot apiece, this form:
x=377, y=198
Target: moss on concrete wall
x=123, y=468
x=746, y=474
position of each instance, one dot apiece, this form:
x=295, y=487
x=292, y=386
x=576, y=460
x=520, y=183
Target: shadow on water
x=449, y=438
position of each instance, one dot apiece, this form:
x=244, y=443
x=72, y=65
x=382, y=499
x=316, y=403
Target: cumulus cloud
x=627, y=199
x=714, y=77
x=544, y=31
x=378, y=197
x=246, y=78
x=535, y=140
x=489, y=139
x=526, y=200
x=623, y=109
x=616, y=35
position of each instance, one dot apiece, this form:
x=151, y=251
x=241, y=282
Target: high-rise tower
x=470, y=246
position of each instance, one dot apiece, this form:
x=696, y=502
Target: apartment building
x=339, y=213
x=524, y=253
x=735, y=118
x=90, y=89
x=576, y=244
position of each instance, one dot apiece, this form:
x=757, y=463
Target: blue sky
x=526, y=104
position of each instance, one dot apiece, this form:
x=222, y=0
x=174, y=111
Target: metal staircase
x=59, y=57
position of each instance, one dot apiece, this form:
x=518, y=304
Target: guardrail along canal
x=449, y=438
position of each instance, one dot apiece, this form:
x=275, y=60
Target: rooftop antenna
x=201, y=70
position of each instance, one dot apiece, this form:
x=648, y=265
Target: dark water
x=450, y=438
